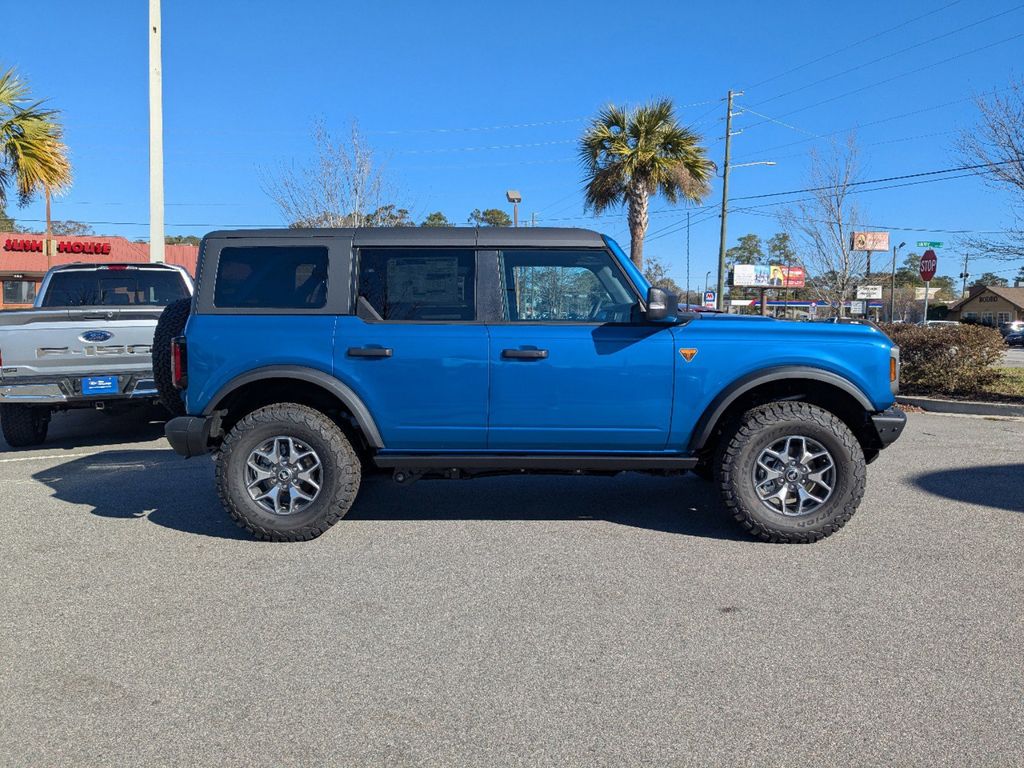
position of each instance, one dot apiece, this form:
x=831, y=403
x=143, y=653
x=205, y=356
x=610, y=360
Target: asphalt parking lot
x=1014, y=357
x=508, y=621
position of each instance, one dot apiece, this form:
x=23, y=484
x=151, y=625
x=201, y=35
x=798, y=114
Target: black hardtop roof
x=553, y=237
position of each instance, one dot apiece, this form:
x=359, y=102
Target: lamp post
x=707, y=276
x=892, y=285
x=515, y=198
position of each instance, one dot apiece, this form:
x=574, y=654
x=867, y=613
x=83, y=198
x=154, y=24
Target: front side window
x=271, y=277
x=582, y=286
x=418, y=284
x=19, y=291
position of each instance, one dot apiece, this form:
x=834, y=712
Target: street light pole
x=515, y=198
x=687, y=257
x=156, y=138
x=892, y=285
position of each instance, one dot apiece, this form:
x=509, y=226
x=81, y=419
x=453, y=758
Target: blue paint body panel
x=601, y=387
x=431, y=392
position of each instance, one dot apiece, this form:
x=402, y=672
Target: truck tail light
x=179, y=362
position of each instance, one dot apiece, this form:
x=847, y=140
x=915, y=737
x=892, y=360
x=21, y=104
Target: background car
x=1015, y=339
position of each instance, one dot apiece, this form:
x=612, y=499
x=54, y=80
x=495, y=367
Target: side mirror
x=661, y=305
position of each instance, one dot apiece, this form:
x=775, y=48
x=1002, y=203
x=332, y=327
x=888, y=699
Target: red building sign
x=23, y=245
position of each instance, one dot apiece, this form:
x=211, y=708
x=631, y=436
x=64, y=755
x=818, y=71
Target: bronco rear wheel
x=287, y=472
x=791, y=472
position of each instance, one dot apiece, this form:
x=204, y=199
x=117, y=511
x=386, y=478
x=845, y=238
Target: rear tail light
x=179, y=362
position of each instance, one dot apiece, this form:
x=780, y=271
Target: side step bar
x=563, y=462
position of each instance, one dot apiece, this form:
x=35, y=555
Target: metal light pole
x=707, y=276
x=515, y=198
x=892, y=286
x=156, y=138
x=687, y=257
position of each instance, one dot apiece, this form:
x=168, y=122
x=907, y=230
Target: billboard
x=870, y=241
x=767, y=276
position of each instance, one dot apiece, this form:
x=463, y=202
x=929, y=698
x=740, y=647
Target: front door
x=573, y=366
x=414, y=351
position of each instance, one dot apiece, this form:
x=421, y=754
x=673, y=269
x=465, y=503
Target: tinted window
x=271, y=277
x=19, y=292
x=565, y=286
x=128, y=287
x=418, y=283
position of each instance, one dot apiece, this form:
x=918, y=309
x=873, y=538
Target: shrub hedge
x=946, y=359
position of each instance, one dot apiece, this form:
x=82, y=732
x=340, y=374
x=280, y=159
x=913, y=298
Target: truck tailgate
x=70, y=342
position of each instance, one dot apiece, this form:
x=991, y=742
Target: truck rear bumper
x=189, y=435
x=68, y=390
x=889, y=425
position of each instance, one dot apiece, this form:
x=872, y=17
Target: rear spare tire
x=171, y=323
x=286, y=472
x=791, y=472
x=24, y=425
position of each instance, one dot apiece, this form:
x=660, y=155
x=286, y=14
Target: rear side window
x=127, y=287
x=271, y=277
x=418, y=283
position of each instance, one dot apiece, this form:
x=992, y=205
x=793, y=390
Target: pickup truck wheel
x=791, y=472
x=287, y=472
x=24, y=425
x=171, y=323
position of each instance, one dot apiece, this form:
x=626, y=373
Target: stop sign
x=929, y=263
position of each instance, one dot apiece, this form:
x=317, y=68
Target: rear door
x=573, y=366
x=415, y=351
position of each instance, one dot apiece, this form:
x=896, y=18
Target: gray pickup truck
x=87, y=343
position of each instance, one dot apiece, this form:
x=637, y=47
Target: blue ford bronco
x=307, y=358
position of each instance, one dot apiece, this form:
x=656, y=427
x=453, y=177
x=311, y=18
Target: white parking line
x=48, y=456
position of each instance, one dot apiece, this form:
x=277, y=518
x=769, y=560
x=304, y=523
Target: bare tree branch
x=997, y=142
x=343, y=186
x=822, y=226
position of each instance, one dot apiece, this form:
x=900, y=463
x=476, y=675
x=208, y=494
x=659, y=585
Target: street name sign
x=928, y=244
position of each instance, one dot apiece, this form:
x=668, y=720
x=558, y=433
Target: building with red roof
x=23, y=260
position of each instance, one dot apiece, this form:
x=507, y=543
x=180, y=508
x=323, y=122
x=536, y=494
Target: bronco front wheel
x=287, y=472
x=791, y=472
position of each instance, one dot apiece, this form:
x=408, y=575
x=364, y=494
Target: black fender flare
x=342, y=391
x=709, y=419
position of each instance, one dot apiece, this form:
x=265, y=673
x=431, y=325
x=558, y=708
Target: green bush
x=946, y=359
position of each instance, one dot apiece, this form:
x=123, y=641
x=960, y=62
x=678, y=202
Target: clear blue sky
x=464, y=100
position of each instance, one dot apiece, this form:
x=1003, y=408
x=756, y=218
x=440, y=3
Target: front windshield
x=634, y=274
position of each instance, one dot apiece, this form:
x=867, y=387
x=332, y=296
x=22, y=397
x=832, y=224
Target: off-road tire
x=757, y=429
x=341, y=472
x=171, y=323
x=24, y=425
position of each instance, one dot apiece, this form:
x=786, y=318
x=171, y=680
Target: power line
x=895, y=77
x=901, y=52
x=872, y=123
x=867, y=39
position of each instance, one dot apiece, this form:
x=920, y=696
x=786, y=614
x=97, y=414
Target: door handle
x=369, y=352
x=524, y=354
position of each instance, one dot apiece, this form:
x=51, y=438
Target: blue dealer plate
x=100, y=385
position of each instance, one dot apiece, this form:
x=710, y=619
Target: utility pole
x=964, y=276
x=156, y=138
x=725, y=198
x=687, y=257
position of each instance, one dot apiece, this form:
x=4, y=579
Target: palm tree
x=32, y=151
x=629, y=155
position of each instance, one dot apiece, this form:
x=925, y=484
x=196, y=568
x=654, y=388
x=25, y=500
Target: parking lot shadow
x=997, y=485
x=683, y=505
x=158, y=486
x=86, y=428
x=153, y=485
